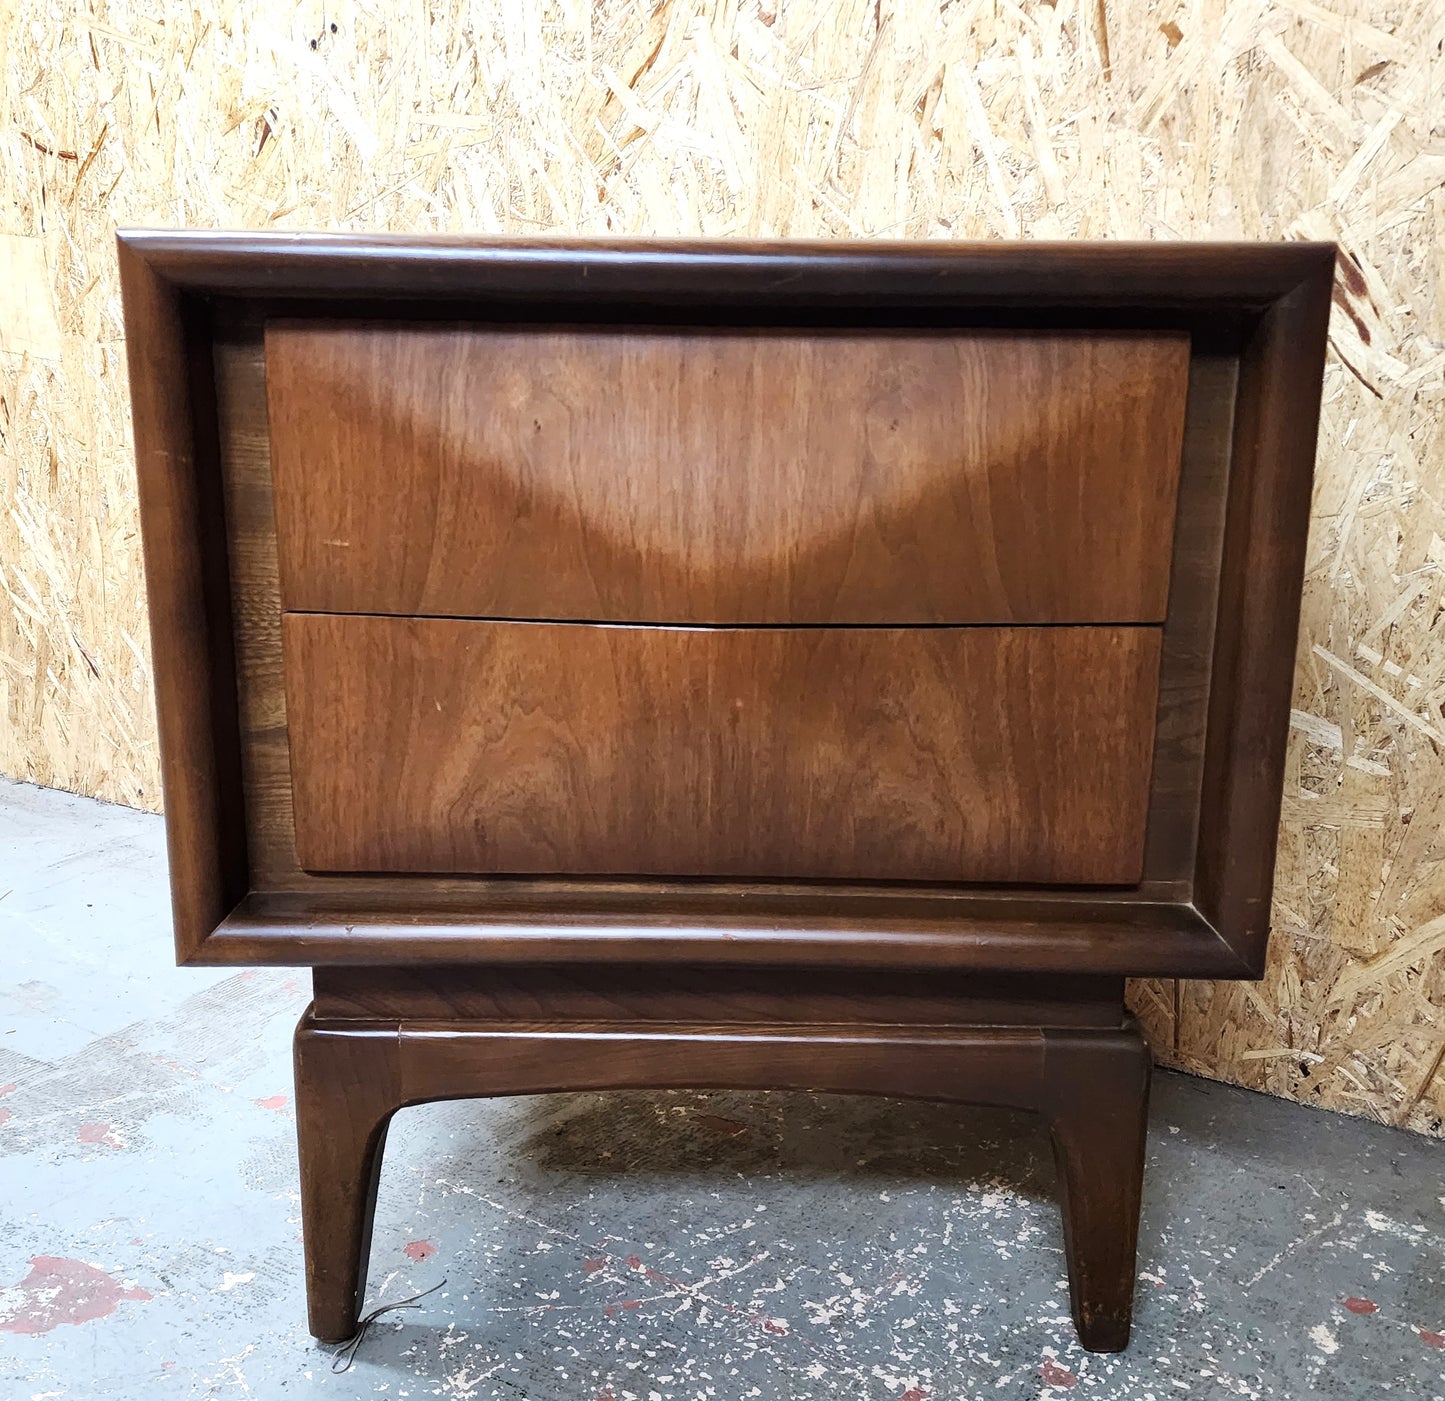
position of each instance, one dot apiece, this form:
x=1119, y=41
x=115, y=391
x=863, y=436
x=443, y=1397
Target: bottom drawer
x=976, y=754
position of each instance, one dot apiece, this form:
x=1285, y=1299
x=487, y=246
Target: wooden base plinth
x=1089, y=1082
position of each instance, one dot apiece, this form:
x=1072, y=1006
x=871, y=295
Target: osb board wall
x=973, y=119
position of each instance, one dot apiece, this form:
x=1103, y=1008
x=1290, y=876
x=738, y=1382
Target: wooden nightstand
x=817, y=666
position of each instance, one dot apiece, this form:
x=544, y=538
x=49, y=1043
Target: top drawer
x=725, y=477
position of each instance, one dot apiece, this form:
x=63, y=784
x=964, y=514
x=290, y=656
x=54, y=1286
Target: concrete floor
x=638, y=1247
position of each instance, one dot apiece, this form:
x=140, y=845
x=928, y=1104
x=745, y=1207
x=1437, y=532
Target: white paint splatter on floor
x=638, y=1247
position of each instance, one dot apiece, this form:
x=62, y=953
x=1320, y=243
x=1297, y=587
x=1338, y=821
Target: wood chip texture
x=1258, y=119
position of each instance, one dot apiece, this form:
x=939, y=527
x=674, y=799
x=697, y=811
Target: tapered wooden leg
x=1091, y=1085
x=347, y=1088
x=1096, y=1102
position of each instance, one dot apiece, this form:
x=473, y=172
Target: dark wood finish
x=178, y=484
x=255, y=600
x=1259, y=602
x=497, y=277
x=1095, y=1097
x=808, y=927
x=442, y=984
x=1090, y=1086
x=348, y=1085
x=1188, y=646
x=734, y=477
x=477, y=918
x=721, y=996
x=1225, y=295
x=933, y=754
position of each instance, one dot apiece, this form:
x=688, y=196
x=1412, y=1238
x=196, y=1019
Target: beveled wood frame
x=1266, y=305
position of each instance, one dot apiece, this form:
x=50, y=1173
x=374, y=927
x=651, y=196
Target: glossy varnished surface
x=710, y=476
x=1090, y=1086
x=1201, y=905
x=948, y=754
x=389, y=919
x=292, y=916
x=787, y=434
x=655, y=992
x=727, y=274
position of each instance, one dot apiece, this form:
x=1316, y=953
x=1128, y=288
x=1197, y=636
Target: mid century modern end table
x=815, y=666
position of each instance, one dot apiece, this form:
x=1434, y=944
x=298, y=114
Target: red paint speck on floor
x=7, y=1090
x=597, y=1262
x=97, y=1133
x=1055, y=1375
x=4, y=1116
x=1432, y=1339
x=271, y=1102
x=1360, y=1305
x=775, y=1325
x=915, y=1393
x=634, y=1262
x=59, y=1291
x=419, y=1250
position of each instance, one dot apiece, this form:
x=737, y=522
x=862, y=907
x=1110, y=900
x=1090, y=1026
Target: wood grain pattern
x=1184, y=667
x=1216, y=293
x=250, y=523
x=852, y=754
x=968, y=754
x=725, y=477
x=294, y=917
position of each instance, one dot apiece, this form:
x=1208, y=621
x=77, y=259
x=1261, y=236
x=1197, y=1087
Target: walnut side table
x=824, y=666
